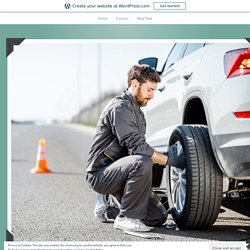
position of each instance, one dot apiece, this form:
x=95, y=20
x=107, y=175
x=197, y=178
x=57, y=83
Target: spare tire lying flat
x=195, y=193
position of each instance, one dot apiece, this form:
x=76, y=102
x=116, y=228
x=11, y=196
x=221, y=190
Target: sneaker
x=130, y=224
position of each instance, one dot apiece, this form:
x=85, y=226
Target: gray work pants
x=129, y=179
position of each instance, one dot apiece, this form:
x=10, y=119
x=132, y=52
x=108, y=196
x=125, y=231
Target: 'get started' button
x=170, y=5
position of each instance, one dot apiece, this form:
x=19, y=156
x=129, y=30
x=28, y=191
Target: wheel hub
x=178, y=184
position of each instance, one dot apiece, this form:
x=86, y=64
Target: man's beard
x=142, y=102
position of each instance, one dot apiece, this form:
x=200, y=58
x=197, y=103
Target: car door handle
x=161, y=88
x=187, y=76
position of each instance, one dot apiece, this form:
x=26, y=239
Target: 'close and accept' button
x=170, y=5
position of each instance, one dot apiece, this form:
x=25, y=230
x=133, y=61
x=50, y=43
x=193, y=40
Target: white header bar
x=124, y=12
x=101, y=6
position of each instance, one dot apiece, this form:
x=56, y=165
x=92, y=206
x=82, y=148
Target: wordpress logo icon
x=67, y=6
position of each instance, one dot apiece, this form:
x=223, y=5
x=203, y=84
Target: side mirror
x=150, y=61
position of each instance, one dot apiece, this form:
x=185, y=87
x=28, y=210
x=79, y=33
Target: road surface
x=59, y=206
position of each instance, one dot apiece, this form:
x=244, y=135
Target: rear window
x=191, y=47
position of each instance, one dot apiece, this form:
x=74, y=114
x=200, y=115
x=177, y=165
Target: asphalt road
x=59, y=206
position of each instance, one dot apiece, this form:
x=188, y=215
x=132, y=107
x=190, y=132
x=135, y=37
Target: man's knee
x=162, y=219
x=146, y=162
x=143, y=166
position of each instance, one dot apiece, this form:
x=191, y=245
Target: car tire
x=195, y=193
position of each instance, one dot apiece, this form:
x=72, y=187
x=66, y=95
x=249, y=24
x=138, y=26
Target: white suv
x=203, y=105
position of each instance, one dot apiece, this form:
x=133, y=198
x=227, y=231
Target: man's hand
x=175, y=159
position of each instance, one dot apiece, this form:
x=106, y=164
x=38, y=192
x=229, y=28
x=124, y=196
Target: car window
x=191, y=47
x=175, y=55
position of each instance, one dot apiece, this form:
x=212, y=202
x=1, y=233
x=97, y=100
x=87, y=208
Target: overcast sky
x=53, y=79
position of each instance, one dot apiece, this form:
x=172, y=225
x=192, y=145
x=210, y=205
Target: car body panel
x=201, y=75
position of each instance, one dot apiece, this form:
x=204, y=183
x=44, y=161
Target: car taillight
x=242, y=115
x=237, y=62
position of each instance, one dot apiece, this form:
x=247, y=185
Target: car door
x=165, y=112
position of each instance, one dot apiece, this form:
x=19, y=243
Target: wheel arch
x=194, y=112
x=197, y=104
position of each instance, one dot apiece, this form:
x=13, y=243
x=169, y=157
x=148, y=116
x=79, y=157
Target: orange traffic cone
x=41, y=163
